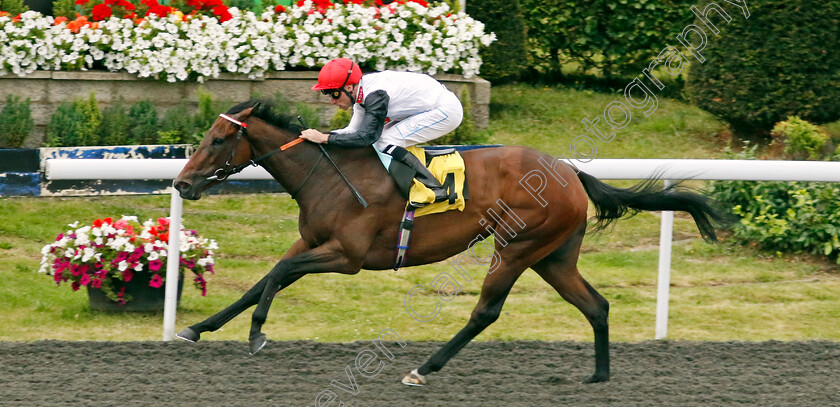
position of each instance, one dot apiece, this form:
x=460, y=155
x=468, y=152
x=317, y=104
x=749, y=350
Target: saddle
x=445, y=164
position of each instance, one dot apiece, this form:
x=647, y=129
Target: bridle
x=225, y=172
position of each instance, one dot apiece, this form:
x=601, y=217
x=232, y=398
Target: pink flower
x=156, y=281
x=97, y=283
x=76, y=269
x=85, y=280
x=75, y=286
x=127, y=275
x=154, y=265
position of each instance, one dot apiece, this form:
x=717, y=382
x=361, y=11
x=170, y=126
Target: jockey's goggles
x=333, y=93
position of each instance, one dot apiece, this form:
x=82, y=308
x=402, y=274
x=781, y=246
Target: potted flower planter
x=144, y=297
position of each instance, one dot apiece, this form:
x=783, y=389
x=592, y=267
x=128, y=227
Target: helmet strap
x=350, y=94
x=346, y=78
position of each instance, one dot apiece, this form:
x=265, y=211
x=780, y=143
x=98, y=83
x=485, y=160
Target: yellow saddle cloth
x=441, y=167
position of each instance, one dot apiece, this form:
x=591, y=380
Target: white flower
x=400, y=36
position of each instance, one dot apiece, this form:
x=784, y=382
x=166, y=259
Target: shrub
x=308, y=113
x=802, y=140
x=503, y=60
x=798, y=217
x=13, y=7
x=115, y=123
x=75, y=123
x=759, y=71
x=62, y=130
x=618, y=38
x=206, y=114
x=170, y=137
x=15, y=122
x=89, y=127
x=179, y=125
x=144, y=123
x=340, y=119
x=64, y=8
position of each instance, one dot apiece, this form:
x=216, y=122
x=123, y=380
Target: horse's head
x=225, y=146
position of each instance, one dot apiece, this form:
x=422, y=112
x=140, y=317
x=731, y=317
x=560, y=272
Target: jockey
x=391, y=110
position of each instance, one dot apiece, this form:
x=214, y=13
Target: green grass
x=720, y=292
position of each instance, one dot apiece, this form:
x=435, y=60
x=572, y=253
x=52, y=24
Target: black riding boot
x=422, y=173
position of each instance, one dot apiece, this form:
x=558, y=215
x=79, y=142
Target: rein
x=224, y=173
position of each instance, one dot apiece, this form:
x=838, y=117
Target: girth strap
x=405, y=233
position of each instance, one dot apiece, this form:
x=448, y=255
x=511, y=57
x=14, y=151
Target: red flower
x=160, y=11
x=212, y=3
x=59, y=20
x=127, y=275
x=156, y=281
x=163, y=221
x=80, y=2
x=222, y=12
x=126, y=5
x=194, y=3
x=130, y=16
x=279, y=9
x=149, y=3
x=164, y=237
x=420, y=2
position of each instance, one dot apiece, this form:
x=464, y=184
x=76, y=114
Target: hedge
x=780, y=62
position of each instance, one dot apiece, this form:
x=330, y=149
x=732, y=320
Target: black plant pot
x=144, y=297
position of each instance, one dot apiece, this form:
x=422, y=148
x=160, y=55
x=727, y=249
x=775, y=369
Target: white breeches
x=424, y=126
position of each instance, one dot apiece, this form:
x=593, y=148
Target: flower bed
x=106, y=252
x=204, y=43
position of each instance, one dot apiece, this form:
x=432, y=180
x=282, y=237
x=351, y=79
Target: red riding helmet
x=337, y=73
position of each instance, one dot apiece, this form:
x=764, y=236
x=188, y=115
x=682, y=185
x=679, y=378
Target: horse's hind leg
x=494, y=291
x=559, y=269
x=250, y=298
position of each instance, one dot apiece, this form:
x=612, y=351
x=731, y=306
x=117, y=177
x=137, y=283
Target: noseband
x=223, y=173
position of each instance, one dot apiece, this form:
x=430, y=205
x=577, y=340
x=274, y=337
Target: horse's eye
x=218, y=141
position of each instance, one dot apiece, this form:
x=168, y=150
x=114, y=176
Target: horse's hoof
x=257, y=343
x=598, y=378
x=414, y=379
x=188, y=335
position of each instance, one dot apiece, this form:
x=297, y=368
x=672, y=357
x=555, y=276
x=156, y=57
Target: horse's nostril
x=182, y=186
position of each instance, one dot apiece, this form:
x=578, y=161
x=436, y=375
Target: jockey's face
x=344, y=102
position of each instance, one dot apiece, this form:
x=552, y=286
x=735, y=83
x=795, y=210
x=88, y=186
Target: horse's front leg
x=250, y=298
x=323, y=259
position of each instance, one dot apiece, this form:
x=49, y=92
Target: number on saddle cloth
x=446, y=165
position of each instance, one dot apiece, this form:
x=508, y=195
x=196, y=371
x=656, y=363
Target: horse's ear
x=247, y=112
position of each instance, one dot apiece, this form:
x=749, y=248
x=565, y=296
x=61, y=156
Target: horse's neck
x=303, y=170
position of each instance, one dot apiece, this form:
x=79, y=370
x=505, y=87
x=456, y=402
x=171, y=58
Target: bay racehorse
x=544, y=219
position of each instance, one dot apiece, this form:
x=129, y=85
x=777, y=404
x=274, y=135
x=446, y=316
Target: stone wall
x=47, y=89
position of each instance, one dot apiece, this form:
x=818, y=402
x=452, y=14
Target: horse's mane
x=267, y=110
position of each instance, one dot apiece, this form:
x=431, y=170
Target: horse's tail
x=612, y=203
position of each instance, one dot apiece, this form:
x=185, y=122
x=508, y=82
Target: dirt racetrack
x=664, y=373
